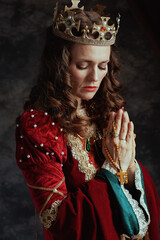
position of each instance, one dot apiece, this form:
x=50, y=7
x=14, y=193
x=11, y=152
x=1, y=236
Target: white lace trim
x=50, y=214
x=108, y=166
x=81, y=155
x=138, y=185
x=143, y=224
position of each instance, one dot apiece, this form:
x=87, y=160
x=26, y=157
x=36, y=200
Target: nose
x=94, y=74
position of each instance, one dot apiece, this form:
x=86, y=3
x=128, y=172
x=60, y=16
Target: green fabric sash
x=124, y=218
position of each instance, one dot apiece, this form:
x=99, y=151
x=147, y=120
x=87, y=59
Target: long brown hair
x=52, y=93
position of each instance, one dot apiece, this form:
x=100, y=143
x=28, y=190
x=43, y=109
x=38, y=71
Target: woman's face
x=88, y=67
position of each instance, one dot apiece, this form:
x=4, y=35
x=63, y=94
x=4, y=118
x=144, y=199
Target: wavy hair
x=52, y=92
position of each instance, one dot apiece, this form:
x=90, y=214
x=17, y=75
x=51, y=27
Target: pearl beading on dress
x=41, y=145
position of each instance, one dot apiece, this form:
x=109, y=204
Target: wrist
x=132, y=166
x=131, y=173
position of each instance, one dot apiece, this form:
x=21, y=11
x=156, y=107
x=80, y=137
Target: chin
x=87, y=98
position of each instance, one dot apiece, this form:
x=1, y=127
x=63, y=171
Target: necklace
x=91, y=131
x=91, y=136
x=87, y=145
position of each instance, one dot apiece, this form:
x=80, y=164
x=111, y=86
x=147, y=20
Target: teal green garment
x=124, y=217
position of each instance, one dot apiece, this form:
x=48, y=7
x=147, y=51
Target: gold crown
x=67, y=28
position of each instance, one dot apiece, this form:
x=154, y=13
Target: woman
x=75, y=143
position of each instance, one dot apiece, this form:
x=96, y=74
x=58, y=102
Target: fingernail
x=122, y=108
x=131, y=123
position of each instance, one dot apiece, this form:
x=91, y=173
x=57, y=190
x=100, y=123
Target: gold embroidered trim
x=53, y=191
x=50, y=215
x=81, y=155
x=146, y=237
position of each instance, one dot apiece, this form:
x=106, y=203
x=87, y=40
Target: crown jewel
x=66, y=27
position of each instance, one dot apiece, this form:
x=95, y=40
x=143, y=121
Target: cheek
x=77, y=77
x=103, y=75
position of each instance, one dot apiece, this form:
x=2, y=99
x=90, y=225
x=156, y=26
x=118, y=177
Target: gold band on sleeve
x=53, y=191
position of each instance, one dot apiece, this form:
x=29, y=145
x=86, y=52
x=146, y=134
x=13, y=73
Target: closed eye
x=82, y=68
x=103, y=68
x=85, y=67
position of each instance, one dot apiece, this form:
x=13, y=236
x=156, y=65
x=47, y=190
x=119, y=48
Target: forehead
x=90, y=52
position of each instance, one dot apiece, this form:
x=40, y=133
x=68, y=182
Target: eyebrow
x=85, y=60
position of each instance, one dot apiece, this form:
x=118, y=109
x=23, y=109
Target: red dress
x=60, y=176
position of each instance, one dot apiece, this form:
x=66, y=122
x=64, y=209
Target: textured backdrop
x=22, y=33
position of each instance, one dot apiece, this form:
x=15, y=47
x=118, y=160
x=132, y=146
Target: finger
x=124, y=126
x=118, y=121
x=134, y=144
x=132, y=163
x=133, y=148
x=130, y=133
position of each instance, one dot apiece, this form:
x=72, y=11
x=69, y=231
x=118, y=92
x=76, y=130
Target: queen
x=75, y=141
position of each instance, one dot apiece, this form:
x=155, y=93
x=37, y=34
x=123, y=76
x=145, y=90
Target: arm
x=82, y=214
x=153, y=203
x=40, y=153
x=64, y=215
x=120, y=132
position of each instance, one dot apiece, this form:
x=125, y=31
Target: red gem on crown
x=103, y=29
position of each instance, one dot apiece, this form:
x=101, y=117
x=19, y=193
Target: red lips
x=90, y=88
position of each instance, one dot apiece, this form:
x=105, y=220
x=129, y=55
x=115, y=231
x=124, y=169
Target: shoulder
x=34, y=120
x=38, y=133
x=34, y=123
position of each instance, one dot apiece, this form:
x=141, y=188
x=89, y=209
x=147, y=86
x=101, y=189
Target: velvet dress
x=76, y=192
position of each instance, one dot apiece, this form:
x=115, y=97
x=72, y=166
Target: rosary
x=122, y=175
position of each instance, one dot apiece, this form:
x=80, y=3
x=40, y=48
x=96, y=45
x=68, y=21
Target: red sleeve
x=153, y=203
x=41, y=150
x=40, y=153
x=84, y=214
